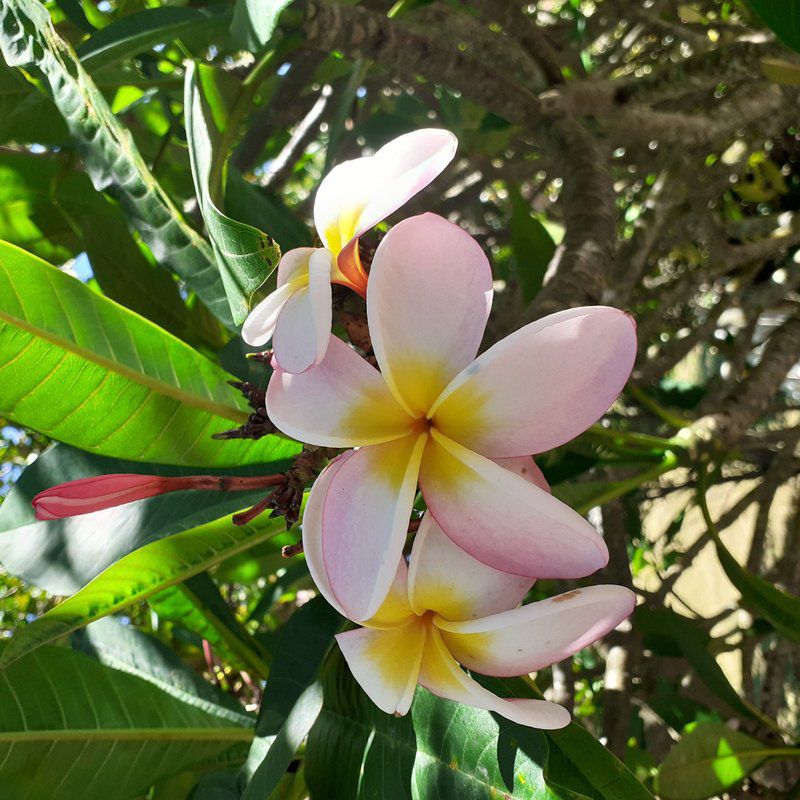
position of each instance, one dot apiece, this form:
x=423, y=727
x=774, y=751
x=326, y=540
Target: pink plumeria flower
x=353, y=198
x=447, y=609
x=437, y=416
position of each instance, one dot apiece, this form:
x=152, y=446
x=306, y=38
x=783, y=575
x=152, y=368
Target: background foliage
x=157, y=157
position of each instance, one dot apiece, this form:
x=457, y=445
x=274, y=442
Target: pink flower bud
x=107, y=491
x=94, y=494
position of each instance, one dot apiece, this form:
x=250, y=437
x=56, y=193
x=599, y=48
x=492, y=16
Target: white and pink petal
x=342, y=402
x=385, y=663
x=312, y=529
x=504, y=520
x=365, y=522
x=260, y=324
x=403, y=168
x=532, y=637
x=358, y=194
x=440, y=673
x=428, y=299
x=446, y=579
x=542, y=385
x=303, y=329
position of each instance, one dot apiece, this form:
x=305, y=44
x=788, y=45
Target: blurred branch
x=752, y=397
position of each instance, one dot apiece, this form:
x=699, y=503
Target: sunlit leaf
x=126, y=388
x=141, y=574
x=254, y=21
x=709, y=759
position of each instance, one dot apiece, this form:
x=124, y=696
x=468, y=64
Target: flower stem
x=641, y=440
x=668, y=463
x=670, y=417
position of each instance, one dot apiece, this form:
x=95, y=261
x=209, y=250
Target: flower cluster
x=460, y=428
x=439, y=419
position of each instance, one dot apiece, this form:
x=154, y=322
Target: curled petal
x=440, y=673
x=260, y=324
x=385, y=663
x=365, y=522
x=534, y=636
x=542, y=385
x=294, y=264
x=342, y=402
x=444, y=578
x=303, y=328
x=504, y=520
x=395, y=609
x=356, y=195
x=429, y=295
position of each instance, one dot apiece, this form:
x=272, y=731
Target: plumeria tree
x=387, y=390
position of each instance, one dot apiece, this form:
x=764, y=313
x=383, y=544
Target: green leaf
x=246, y=256
x=254, y=21
x=582, y=496
x=138, y=32
x=532, y=245
x=577, y=762
x=257, y=206
x=71, y=727
x=671, y=634
x=783, y=17
x=217, y=786
x=760, y=596
x=711, y=758
x=141, y=574
x=197, y=606
x=124, y=386
x=292, y=699
x=127, y=649
x=56, y=213
x=441, y=749
x=283, y=746
x=63, y=555
x=26, y=116
x=29, y=41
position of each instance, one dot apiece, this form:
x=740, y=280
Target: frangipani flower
x=445, y=609
x=353, y=198
x=436, y=416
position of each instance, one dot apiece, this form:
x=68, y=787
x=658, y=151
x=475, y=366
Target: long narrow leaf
x=137, y=576
x=82, y=369
x=246, y=256
x=29, y=41
x=138, y=32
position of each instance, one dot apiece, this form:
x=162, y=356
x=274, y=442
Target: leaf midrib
x=71, y=624
x=222, y=734
x=129, y=373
